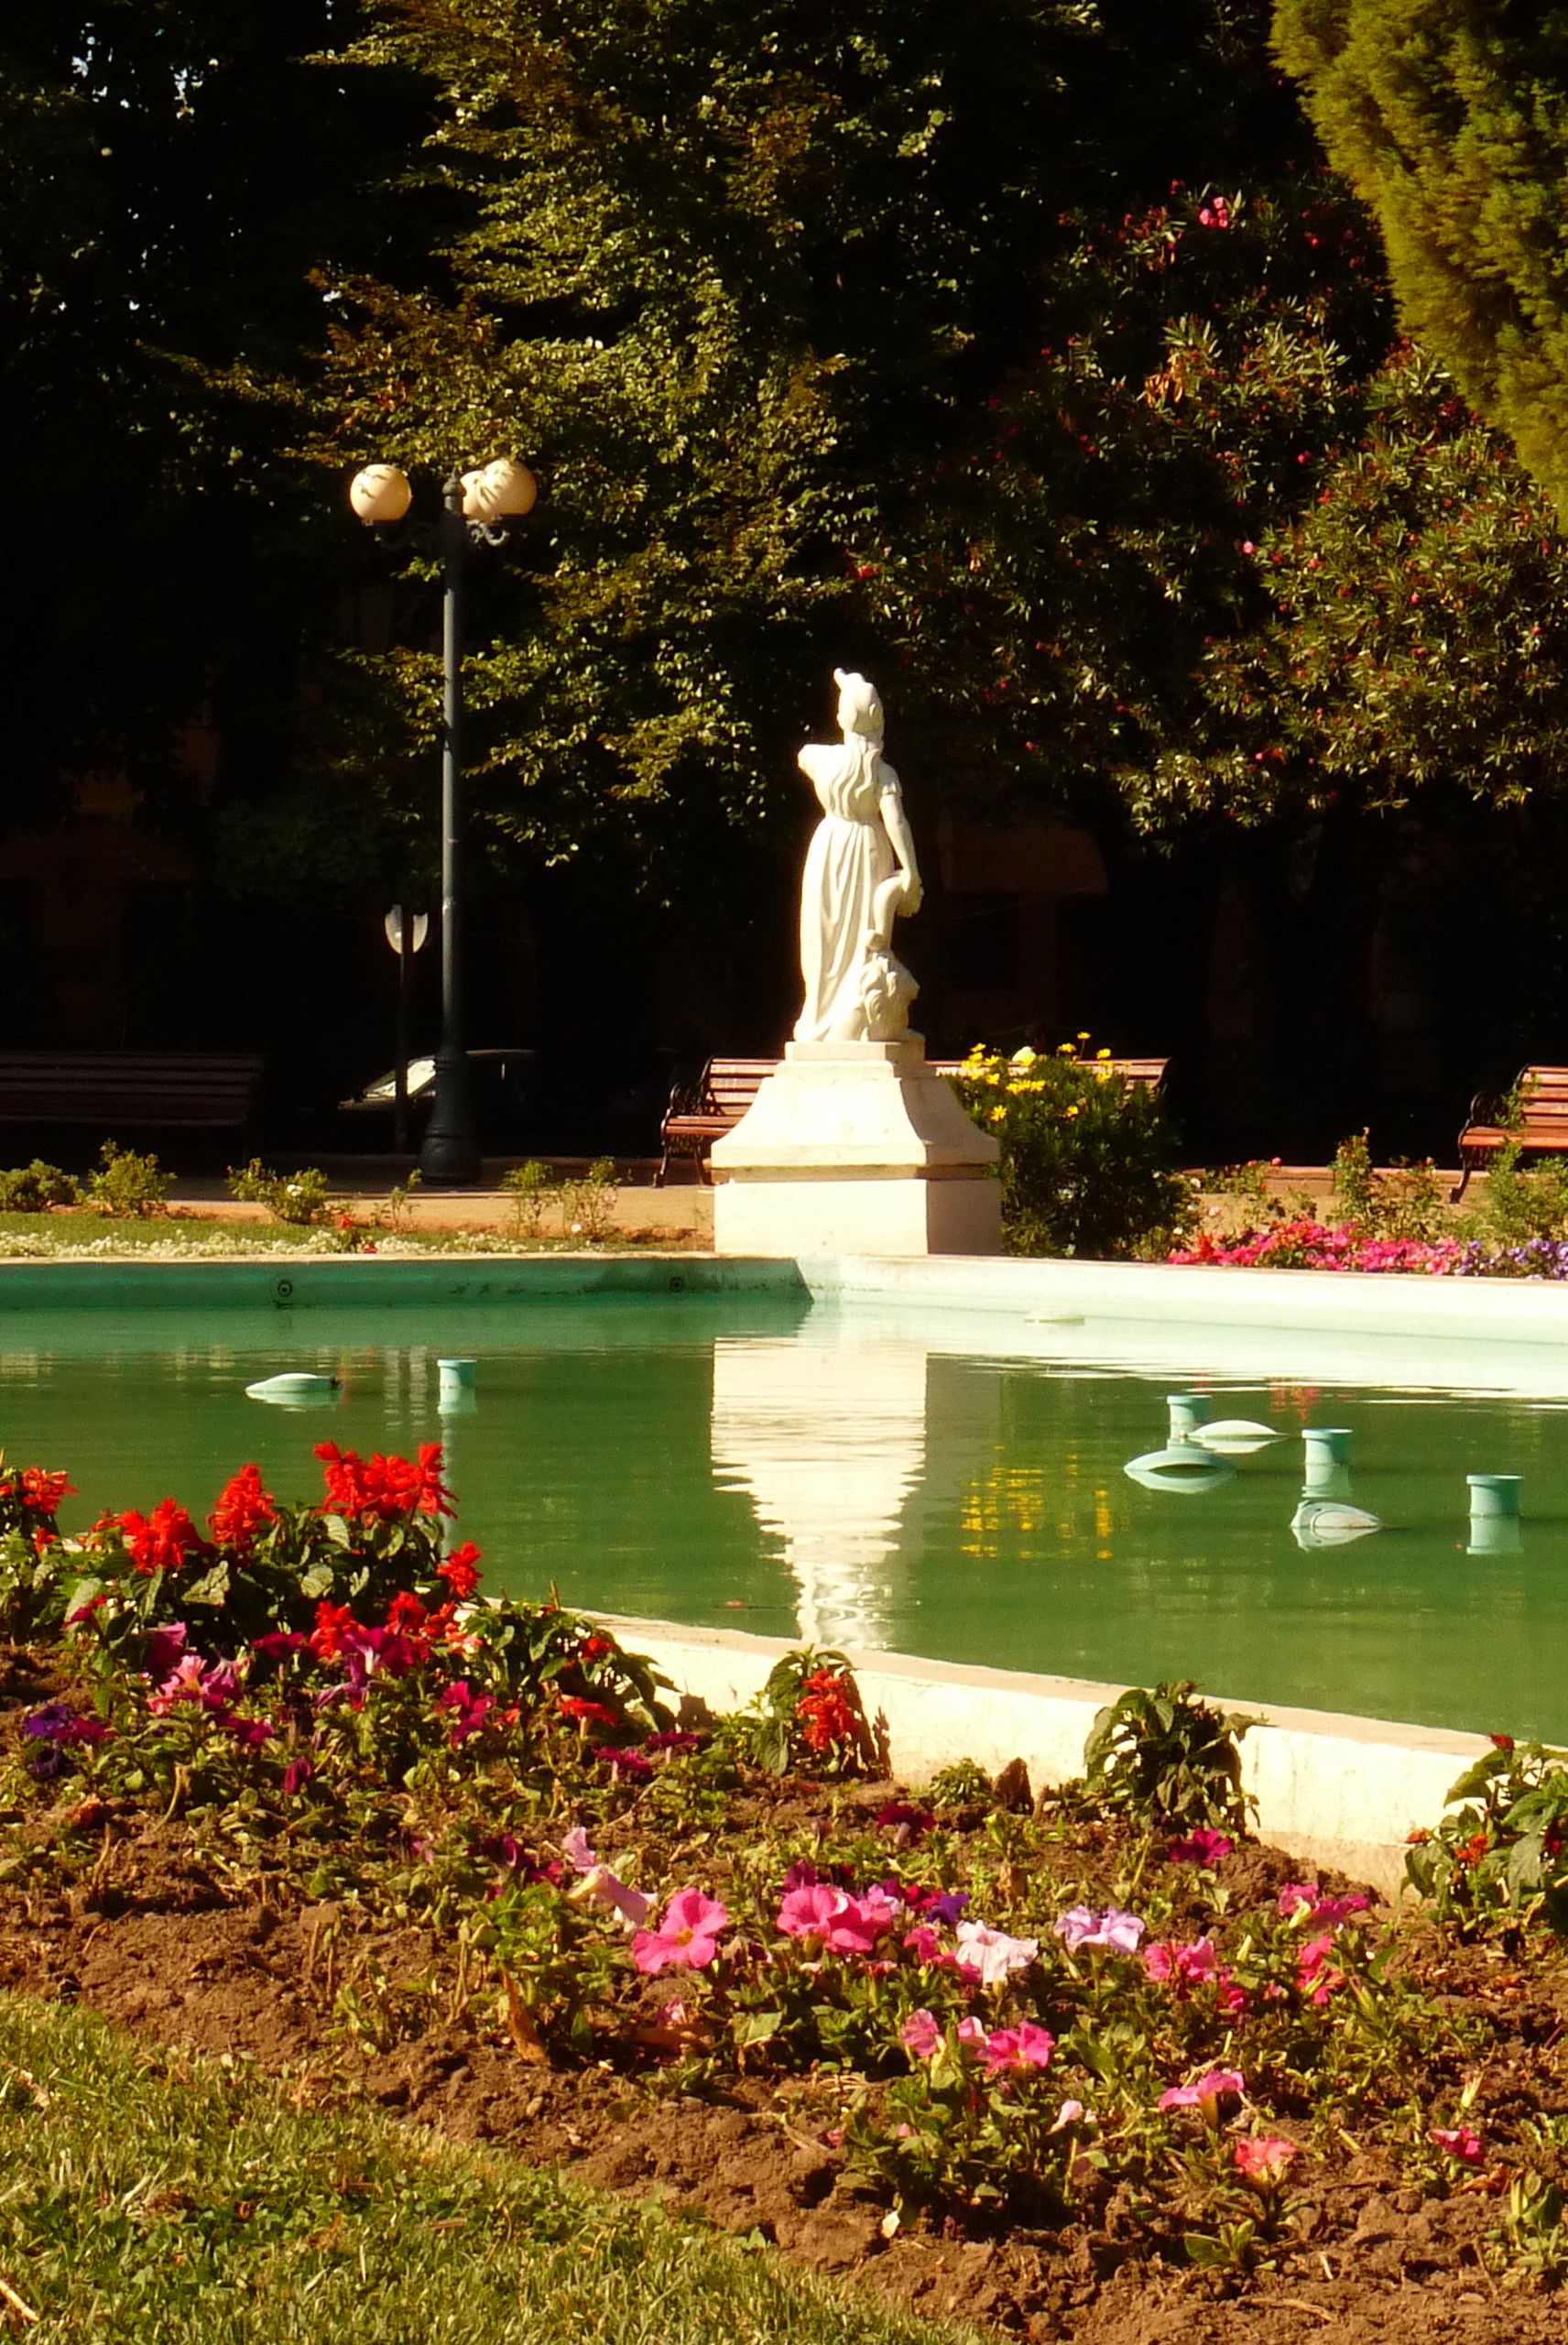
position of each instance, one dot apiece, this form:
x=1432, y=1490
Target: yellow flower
x=1070, y=1111
x=1102, y=1054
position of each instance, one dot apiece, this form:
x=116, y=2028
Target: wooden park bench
x=700, y=1113
x=118, y=1090
x=1541, y=1130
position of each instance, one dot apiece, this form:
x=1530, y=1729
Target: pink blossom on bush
x=923, y=1943
x=972, y=2033
x=686, y=1938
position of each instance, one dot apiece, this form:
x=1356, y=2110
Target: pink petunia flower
x=1200, y=1848
x=921, y=2036
x=923, y=1943
x=972, y=2033
x=1113, y=1931
x=1265, y=2159
x=991, y=1956
x=833, y=1918
x=1461, y=2141
x=599, y=1886
x=1182, y=1966
x=1314, y=1974
x=1070, y=2113
x=1017, y=2049
x=1219, y=2084
x=575, y=1849
x=687, y=1938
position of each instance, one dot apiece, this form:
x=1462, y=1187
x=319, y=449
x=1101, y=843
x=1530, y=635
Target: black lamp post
x=477, y=508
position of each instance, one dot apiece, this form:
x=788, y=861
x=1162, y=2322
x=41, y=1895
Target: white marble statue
x=860, y=874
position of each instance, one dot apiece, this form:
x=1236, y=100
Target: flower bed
x=286, y=1780
x=1315, y=1246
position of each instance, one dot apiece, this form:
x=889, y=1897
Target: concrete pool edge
x=1383, y=1303
x=332, y=1279
x=1330, y=1788
x=1032, y=1291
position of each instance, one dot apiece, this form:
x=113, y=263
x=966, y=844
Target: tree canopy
x=1450, y=119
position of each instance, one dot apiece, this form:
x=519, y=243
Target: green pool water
x=953, y=1489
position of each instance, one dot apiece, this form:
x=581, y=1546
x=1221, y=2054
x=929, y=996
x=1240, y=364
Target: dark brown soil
x=154, y=1943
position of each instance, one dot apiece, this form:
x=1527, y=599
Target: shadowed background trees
x=1032, y=358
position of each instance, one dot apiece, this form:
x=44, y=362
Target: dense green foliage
x=157, y=226
x=1088, y=1161
x=1450, y=117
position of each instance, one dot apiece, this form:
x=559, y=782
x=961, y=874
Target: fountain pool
x=937, y=1482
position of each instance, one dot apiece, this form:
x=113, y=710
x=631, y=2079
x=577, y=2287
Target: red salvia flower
x=326, y=1637
x=406, y=1615
x=243, y=1506
x=825, y=1711
x=385, y=1487
x=43, y=1492
x=458, y=1570
x=160, y=1541
x=591, y=1712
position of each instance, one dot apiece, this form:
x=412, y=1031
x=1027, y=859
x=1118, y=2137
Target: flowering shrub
x=1087, y=1157
x=323, y=1638
x=1500, y=1858
x=810, y=1716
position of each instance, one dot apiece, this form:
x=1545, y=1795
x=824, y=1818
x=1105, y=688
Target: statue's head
x=859, y=704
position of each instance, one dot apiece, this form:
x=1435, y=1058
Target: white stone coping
x=1387, y=1302
x=1330, y=1788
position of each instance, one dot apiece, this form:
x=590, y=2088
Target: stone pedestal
x=857, y=1148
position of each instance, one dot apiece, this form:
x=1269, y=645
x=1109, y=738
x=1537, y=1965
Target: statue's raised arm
x=860, y=874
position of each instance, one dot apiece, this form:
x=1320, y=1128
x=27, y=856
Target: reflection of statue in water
x=860, y=873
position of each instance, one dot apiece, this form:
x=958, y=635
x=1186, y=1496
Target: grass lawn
x=161, y=2197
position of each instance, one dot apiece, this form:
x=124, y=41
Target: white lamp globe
x=512, y=489
x=477, y=505
x=380, y=493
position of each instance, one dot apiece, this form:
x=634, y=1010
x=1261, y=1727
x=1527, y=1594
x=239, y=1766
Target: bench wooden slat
x=193, y=1089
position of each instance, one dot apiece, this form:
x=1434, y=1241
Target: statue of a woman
x=860, y=873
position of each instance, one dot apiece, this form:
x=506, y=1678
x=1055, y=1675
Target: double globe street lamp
x=478, y=508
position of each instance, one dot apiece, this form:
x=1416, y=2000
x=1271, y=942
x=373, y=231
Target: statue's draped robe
x=848, y=859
